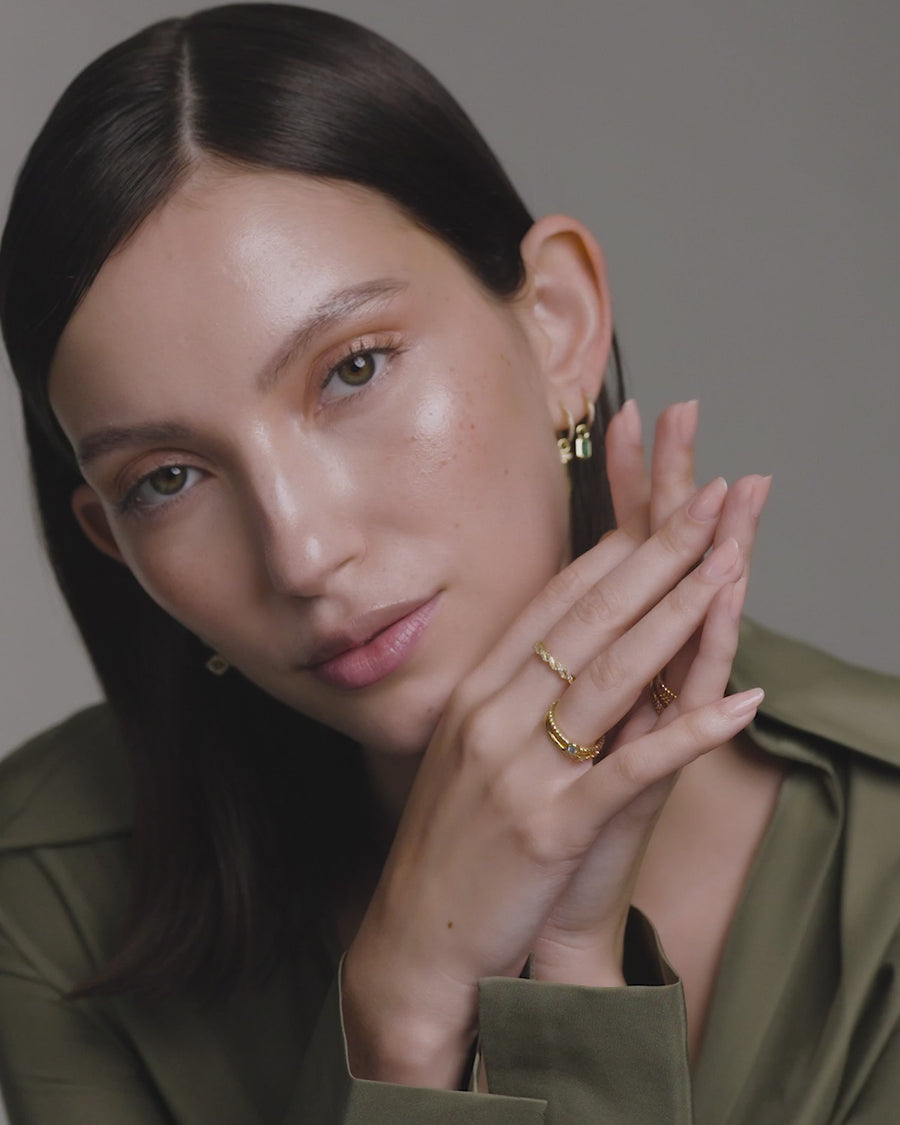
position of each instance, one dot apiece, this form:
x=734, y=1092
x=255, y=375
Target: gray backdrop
x=740, y=164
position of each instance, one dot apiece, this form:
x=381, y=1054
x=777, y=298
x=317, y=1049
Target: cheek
x=194, y=574
x=482, y=457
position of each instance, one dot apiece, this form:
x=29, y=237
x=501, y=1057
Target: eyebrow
x=336, y=307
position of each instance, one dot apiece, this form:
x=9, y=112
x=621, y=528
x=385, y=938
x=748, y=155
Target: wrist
x=396, y=1031
x=587, y=972
x=591, y=961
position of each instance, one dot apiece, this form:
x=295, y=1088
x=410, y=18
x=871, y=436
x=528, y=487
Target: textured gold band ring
x=571, y=749
x=661, y=694
x=552, y=662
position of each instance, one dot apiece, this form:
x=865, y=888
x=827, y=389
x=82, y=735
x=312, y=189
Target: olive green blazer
x=804, y=1027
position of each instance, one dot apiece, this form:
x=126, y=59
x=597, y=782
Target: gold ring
x=563, y=673
x=570, y=749
x=661, y=694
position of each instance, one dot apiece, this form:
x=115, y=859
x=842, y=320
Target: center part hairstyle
x=249, y=818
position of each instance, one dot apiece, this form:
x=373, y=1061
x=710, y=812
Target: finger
x=707, y=677
x=609, y=685
x=672, y=465
x=619, y=779
x=739, y=520
x=627, y=472
x=742, y=511
x=556, y=599
x=609, y=607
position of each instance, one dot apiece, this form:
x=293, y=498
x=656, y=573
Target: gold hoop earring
x=564, y=441
x=584, y=447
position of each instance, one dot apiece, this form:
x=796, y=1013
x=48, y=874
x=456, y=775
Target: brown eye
x=357, y=369
x=169, y=480
x=159, y=487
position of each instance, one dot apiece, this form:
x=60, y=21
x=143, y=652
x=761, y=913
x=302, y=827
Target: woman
x=310, y=400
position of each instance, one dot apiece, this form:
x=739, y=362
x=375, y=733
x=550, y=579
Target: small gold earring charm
x=564, y=442
x=218, y=665
x=584, y=447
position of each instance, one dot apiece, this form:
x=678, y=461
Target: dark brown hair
x=241, y=833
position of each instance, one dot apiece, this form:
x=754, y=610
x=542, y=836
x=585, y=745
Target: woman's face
x=317, y=443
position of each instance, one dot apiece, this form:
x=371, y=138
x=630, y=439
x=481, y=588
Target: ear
x=567, y=311
x=91, y=516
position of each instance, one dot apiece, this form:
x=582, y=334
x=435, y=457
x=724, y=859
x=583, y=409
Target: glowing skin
x=423, y=472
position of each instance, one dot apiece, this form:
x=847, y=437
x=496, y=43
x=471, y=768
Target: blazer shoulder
x=68, y=784
x=821, y=694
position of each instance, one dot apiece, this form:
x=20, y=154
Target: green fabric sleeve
x=60, y=1064
x=553, y=1054
x=608, y=1056
x=327, y=1094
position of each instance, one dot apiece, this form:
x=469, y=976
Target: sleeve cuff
x=328, y=1094
x=616, y=1055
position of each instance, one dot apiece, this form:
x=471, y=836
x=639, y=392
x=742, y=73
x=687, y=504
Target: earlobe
x=91, y=516
x=568, y=311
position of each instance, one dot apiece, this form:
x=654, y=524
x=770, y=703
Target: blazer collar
x=815, y=693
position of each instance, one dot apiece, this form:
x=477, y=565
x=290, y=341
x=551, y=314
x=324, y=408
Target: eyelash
x=386, y=350
x=131, y=505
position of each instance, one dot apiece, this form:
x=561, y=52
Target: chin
x=399, y=722
x=402, y=729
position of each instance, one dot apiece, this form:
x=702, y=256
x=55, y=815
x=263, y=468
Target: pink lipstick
x=359, y=666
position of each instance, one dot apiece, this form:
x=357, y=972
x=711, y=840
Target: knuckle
x=564, y=588
x=695, y=728
x=634, y=766
x=607, y=672
x=682, y=600
x=478, y=735
x=526, y=825
x=467, y=697
x=599, y=606
x=536, y=839
x=673, y=538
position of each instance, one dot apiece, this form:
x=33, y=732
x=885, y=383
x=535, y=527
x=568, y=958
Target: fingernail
x=722, y=559
x=709, y=500
x=631, y=421
x=688, y=415
x=760, y=495
x=743, y=703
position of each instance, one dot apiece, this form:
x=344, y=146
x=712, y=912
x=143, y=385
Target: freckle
x=449, y=925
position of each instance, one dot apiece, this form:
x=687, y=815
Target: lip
x=373, y=646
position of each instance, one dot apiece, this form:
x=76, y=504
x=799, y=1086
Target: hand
x=567, y=948
x=499, y=824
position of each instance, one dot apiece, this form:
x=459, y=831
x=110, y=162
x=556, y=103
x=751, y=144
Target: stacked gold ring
x=572, y=750
x=552, y=662
x=661, y=694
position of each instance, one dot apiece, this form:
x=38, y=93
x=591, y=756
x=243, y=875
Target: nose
x=307, y=527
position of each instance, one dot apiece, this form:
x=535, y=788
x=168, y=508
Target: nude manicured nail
x=707, y=504
x=760, y=495
x=722, y=560
x=688, y=415
x=631, y=421
x=743, y=703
